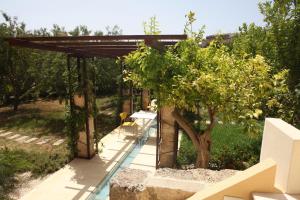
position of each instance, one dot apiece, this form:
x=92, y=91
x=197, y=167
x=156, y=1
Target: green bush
x=231, y=149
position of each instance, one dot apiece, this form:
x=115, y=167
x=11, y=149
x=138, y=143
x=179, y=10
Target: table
x=144, y=115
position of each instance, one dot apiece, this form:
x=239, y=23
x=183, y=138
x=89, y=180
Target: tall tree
x=17, y=72
x=278, y=42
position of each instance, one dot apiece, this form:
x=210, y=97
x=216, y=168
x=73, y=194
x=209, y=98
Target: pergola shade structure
x=82, y=47
x=94, y=46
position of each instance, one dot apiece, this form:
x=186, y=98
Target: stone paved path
x=58, y=142
x=27, y=139
x=22, y=139
x=31, y=140
x=14, y=136
x=5, y=134
x=43, y=141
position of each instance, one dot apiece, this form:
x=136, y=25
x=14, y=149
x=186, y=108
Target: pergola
x=82, y=47
x=94, y=46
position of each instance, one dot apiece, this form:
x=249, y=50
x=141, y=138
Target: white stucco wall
x=281, y=142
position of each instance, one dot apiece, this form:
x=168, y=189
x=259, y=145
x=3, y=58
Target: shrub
x=13, y=162
x=231, y=149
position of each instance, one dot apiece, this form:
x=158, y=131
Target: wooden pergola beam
x=94, y=46
x=103, y=47
x=32, y=45
x=96, y=43
x=107, y=38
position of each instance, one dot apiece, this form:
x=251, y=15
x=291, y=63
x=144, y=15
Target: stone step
x=14, y=136
x=274, y=196
x=22, y=139
x=5, y=134
x=31, y=140
x=58, y=142
x=43, y=141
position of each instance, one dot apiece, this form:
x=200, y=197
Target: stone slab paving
x=14, y=136
x=58, y=142
x=27, y=139
x=43, y=141
x=146, y=158
x=22, y=139
x=31, y=140
x=78, y=179
x=5, y=134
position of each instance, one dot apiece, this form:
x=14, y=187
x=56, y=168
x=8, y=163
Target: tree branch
x=187, y=127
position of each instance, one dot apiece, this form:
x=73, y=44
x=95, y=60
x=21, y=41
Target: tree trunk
x=201, y=142
x=16, y=102
x=203, y=151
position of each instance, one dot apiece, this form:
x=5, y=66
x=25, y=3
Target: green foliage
x=187, y=152
x=115, y=30
x=13, y=162
x=188, y=27
x=27, y=74
x=80, y=30
x=75, y=123
x=188, y=77
x=279, y=43
x=151, y=27
x=254, y=40
x=107, y=73
x=33, y=122
x=231, y=149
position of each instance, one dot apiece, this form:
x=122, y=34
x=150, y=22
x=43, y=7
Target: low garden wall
x=165, y=184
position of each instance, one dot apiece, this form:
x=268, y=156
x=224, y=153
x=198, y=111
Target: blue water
x=102, y=191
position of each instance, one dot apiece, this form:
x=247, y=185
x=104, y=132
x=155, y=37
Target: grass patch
x=35, y=119
x=107, y=115
x=231, y=148
x=37, y=124
x=38, y=119
x=16, y=161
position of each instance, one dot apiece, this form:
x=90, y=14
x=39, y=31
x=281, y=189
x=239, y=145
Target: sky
x=218, y=16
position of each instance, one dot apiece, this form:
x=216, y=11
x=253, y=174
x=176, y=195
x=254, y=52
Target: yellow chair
x=124, y=123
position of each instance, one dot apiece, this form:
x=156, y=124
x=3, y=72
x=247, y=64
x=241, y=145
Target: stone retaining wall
x=134, y=184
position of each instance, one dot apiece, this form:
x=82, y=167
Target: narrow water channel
x=102, y=191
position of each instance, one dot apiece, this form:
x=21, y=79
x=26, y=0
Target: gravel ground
x=27, y=183
x=204, y=175
x=132, y=179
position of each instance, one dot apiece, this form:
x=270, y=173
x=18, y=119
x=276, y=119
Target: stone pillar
x=127, y=105
x=145, y=99
x=84, y=105
x=167, y=149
